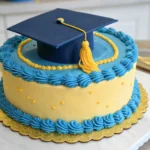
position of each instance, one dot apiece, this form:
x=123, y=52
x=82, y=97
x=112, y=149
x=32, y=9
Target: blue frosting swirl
x=48, y=126
x=132, y=106
x=129, y=41
x=127, y=63
x=111, y=31
x=118, y=116
x=7, y=48
x=4, y=56
x=84, y=80
x=119, y=70
x=135, y=98
x=98, y=123
x=75, y=127
x=26, y=119
x=96, y=76
x=109, y=121
x=55, y=79
x=14, y=41
x=41, y=77
x=7, y=65
x=88, y=126
x=109, y=74
x=129, y=48
x=70, y=80
x=103, y=30
x=36, y=123
x=27, y=74
x=16, y=69
x=130, y=56
x=126, y=112
x=17, y=114
x=9, y=109
x=62, y=127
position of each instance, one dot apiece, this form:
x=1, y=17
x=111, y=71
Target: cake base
x=95, y=135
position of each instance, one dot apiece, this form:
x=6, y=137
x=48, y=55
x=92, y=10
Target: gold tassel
x=86, y=62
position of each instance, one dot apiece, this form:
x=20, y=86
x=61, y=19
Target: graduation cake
x=69, y=74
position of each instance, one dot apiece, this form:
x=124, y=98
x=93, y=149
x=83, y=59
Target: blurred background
x=133, y=16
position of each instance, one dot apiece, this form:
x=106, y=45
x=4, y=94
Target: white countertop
x=128, y=140
x=46, y=5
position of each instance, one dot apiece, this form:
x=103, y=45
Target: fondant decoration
x=86, y=61
x=53, y=107
x=62, y=102
x=55, y=40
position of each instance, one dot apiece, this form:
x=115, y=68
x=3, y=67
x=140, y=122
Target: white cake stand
x=130, y=139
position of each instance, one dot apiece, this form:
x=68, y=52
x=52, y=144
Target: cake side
x=47, y=101
x=73, y=127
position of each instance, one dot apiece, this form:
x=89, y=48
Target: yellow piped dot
x=70, y=67
x=98, y=102
x=90, y=92
x=107, y=106
x=6, y=87
x=65, y=67
x=122, y=83
x=53, y=68
x=20, y=89
x=49, y=67
x=53, y=107
x=43, y=68
x=28, y=97
x=33, y=101
x=62, y=102
x=59, y=67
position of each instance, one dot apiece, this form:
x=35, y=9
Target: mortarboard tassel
x=86, y=62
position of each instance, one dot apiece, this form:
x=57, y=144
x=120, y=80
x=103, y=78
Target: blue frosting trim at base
x=73, y=127
x=74, y=77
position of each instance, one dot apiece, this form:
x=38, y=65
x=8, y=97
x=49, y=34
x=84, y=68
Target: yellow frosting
x=54, y=102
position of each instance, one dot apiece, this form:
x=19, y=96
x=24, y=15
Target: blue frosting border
x=73, y=127
x=70, y=80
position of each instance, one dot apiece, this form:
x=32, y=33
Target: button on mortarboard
x=59, y=43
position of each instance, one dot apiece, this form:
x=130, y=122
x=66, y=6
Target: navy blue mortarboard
x=59, y=42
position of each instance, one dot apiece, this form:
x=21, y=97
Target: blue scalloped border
x=70, y=80
x=73, y=127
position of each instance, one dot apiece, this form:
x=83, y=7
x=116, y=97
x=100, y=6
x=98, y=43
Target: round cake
x=66, y=98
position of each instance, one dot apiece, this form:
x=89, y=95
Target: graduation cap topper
x=59, y=40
